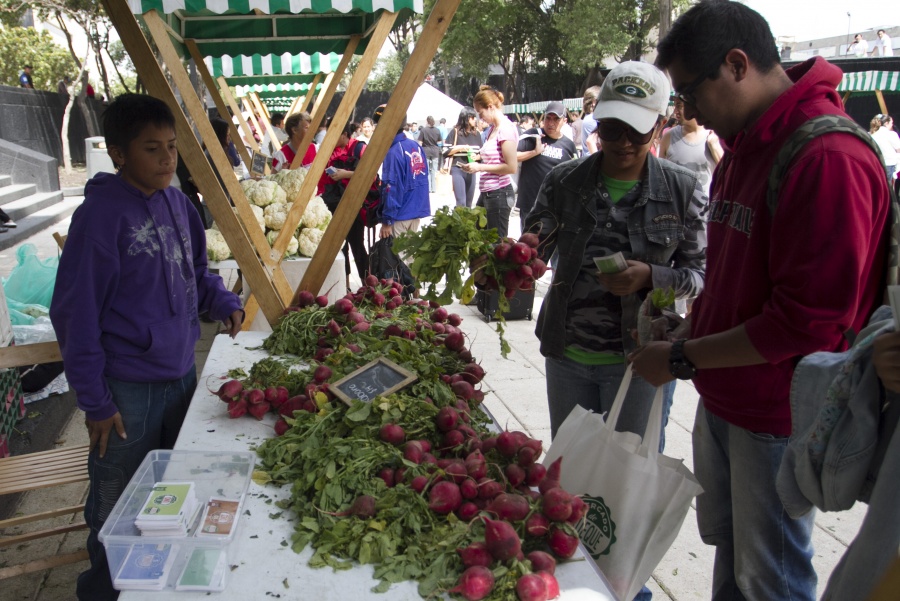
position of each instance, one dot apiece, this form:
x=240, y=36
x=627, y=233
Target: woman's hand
x=471, y=167
x=341, y=174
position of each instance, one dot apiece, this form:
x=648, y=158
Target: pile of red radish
x=516, y=264
x=496, y=481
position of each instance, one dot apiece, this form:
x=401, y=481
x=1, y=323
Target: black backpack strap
x=826, y=124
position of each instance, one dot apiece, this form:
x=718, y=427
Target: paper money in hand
x=611, y=263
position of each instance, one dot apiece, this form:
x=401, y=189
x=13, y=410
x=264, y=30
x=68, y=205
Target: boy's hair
x=703, y=35
x=129, y=114
x=277, y=119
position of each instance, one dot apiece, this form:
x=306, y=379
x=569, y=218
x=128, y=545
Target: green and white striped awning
x=264, y=27
x=869, y=81
x=272, y=64
x=273, y=88
x=572, y=104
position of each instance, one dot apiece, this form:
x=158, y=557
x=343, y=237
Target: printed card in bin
x=180, y=493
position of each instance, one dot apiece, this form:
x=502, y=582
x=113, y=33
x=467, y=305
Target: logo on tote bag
x=598, y=530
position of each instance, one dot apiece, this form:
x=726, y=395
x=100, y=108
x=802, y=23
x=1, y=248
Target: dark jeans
x=498, y=204
x=152, y=413
x=356, y=241
x=463, y=186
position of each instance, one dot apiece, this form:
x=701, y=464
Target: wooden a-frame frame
x=259, y=261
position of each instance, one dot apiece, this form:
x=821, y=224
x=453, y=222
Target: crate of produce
x=176, y=525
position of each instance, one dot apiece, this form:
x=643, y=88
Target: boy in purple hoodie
x=131, y=282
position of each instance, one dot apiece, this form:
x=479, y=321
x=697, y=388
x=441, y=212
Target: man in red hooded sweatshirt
x=778, y=285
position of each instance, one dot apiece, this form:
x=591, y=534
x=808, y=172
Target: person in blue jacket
x=404, y=176
x=131, y=283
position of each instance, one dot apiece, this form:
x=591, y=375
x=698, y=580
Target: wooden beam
x=262, y=107
x=293, y=107
x=236, y=113
x=43, y=564
x=30, y=354
x=263, y=116
x=268, y=286
x=253, y=119
x=330, y=86
x=382, y=28
x=319, y=103
x=37, y=517
x=348, y=208
x=846, y=97
x=216, y=94
x=310, y=92
x=881, y=102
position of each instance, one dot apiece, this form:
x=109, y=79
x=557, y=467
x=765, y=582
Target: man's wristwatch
x=679, y=365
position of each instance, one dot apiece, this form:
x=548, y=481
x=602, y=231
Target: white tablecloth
x=334, y=286
x=264, y=565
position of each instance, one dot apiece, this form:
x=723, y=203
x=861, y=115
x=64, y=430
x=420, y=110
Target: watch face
x=682, y=371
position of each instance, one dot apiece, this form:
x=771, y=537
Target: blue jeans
x=761, y=552
x=499, y=204
x=152, y=413
x=433, y=166
x=594, y=387
x=463, y=186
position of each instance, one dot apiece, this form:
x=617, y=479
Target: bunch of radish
x=515, y=265
x=493, y=480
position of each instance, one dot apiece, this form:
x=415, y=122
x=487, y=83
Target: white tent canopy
x=428, y=100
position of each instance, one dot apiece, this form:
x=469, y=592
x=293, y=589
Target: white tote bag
x=637, y=499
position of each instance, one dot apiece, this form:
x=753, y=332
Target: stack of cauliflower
x=270, y=199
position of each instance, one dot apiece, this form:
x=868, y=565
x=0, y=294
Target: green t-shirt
x=617, y=188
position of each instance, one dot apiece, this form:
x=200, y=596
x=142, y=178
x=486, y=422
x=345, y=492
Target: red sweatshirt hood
x=813, y=91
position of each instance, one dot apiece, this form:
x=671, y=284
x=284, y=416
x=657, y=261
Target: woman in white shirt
x=882, y=130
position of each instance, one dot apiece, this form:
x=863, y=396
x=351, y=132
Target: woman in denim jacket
x=621, y=199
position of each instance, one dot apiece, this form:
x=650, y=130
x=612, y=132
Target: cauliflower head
x=316, y=215
x=292, y=243
x=275, y=214
x=216, y=248
x=260, y=216
x=290, y=181
x=266, y=192
x=308, y=240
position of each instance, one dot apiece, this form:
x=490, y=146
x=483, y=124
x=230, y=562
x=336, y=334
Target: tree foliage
x=21, y=46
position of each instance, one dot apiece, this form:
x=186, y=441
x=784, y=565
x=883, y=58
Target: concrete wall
x=33, y=119
x=29, y=167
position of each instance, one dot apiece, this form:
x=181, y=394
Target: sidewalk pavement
x=517, y=399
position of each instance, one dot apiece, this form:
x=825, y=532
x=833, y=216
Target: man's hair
x=879, y=31
x=293, y=122
x=703, y=35
x=443, y=120
x=129, y=114
x=277, y=118
x=430, y=121
x=28, y=67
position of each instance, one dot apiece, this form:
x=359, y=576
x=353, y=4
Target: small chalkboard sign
x=258, y=164
x=376, y=378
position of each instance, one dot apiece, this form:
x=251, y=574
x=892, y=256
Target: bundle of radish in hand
x=457, y=242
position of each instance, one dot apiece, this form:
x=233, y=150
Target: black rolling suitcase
x=520, y=305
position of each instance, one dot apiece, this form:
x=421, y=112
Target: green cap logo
x=597, y=530
x=630, y=90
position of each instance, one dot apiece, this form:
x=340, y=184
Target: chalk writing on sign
x=376, y=378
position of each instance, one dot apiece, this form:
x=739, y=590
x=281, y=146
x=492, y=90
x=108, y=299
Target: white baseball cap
x=635, y=93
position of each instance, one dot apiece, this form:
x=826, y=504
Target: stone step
x=19, y=209
x=5, y=180
x=38, y=221
x=15, y=192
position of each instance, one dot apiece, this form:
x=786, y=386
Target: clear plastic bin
x=216, y=474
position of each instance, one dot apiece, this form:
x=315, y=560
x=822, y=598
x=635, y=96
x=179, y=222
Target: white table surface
x=264, y=565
